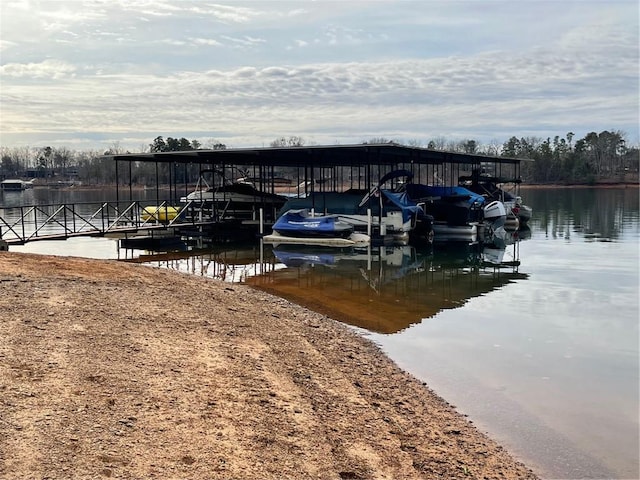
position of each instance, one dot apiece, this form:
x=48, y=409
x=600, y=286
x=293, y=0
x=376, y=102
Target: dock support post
x=261, y=256
x=369, y=222
x=4, y=246
x=261, y=222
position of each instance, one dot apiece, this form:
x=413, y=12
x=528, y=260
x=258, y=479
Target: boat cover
x=298, y=223
x=452, y=193
x=402, y=201
x=348, y=203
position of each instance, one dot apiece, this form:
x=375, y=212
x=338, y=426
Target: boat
x=239, y=192
x=458, y=213
x=301, y=227
x=378, y=211
x=14, y=184
x=492, y=188
x=300, y=223
x=233, y=199
x=161, y=213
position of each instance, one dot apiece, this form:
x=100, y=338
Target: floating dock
x=355, y=239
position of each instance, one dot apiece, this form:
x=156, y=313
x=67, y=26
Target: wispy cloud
x=245, y=41
x=205, y=41
x=53, y=69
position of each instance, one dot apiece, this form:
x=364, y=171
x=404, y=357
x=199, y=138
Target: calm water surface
x=537, y=343
x=549, y=364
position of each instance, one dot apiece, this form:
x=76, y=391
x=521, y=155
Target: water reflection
x=589, y=213
x=18, y=198
x=382, y=289
x=387, y=289
x=43, y=195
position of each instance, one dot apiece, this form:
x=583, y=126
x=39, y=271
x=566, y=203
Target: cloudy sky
x=94, y=74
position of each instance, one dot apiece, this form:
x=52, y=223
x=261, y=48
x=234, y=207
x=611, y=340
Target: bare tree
x=293, y=141
x=438, y=143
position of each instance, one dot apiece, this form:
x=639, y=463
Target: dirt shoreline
x=118, y=370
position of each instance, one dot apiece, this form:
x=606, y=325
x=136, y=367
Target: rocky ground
x=117, y=370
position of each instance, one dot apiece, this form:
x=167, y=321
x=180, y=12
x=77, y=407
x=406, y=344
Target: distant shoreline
x=165, y=187
x=532, y=186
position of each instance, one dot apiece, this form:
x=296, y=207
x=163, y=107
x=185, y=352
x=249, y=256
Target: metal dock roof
x=320, y=156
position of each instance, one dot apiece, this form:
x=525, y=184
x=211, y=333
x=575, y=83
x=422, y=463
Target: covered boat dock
x=315, y=168
x=285, y=171
x=291, y=172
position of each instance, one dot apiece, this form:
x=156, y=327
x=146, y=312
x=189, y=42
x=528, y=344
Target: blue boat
x=300, y=223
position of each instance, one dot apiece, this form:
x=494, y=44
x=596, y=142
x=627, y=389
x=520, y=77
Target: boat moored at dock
x=458, y=213
x=380, y=212
x=301, y=223
x=493, y=188
x=239, y=198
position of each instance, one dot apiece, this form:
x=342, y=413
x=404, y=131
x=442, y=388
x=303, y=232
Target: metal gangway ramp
x=22, y=224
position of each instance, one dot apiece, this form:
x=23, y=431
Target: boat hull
x=444, y=232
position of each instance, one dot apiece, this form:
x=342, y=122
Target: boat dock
x=248, y=193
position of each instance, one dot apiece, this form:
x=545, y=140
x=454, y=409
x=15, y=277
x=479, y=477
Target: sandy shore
x=117, y=370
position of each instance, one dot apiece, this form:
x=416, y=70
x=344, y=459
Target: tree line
x=597, y=157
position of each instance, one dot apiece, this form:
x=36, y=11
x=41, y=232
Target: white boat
x=238, y=199
x=238, y=192
x=521, y=211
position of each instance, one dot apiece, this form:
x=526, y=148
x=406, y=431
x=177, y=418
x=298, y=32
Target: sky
x=118, y=73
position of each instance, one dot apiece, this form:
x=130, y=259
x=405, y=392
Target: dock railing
x=19, y=225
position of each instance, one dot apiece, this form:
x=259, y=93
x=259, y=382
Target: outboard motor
x=495, y=214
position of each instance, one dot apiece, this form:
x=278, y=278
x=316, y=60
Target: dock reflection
x=387, y=289
x=383, y=289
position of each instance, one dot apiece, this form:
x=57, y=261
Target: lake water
x=537, y=343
